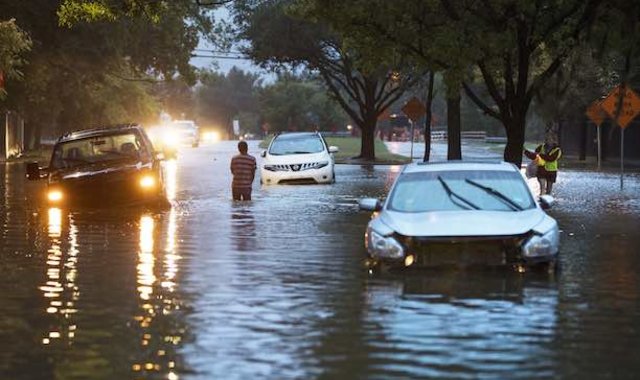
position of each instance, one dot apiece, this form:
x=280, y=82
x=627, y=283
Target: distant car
x=103, y=166
x=300, y=157
x=185, y=132
x=461, y=214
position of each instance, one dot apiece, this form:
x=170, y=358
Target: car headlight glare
x=383, y=246
x=540, y=246
x=54, y=195
x=147, y=182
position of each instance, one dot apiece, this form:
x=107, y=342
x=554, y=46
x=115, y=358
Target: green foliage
x=14, y=43
x=220, y=98
x=297, y=103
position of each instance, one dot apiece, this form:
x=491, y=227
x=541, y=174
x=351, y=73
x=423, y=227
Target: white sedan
x=461, y=214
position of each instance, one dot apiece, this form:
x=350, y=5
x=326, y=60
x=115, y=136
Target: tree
x=281, y=40
x=514, y=46
x=220, y=98
x=99, y=72
x=296, y=103
x=14, y=43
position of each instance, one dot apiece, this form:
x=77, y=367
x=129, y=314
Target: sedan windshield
x=125, y=146
x=305, y=144
x=461, y=190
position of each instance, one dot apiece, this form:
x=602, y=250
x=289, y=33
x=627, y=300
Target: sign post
x=414, y=109
x=597, y=115
x=623, y=105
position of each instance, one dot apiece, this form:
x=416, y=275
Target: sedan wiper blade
x=452, y=194
x=490, y=190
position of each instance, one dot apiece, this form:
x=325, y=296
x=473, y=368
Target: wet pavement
x=276, y=287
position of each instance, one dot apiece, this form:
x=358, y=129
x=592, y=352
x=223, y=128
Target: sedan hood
x=462, y=223
x=292, y=159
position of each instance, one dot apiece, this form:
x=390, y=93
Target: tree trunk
x=428, y=117
x=367, y=147
x=515, y=140
x=454, y=150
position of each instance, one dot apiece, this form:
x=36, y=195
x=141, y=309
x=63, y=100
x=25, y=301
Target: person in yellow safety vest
x=546, y=157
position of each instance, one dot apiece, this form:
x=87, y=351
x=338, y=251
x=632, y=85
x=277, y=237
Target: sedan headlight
x=541, y=245
x=383, y=246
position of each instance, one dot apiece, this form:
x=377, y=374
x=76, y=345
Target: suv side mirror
x=33, y=171
x=333, y=149
x=263, y=154
x=370, y=204
x=546, y=201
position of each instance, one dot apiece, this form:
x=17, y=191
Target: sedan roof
x=459, y=166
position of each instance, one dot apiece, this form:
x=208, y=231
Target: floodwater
x=276, y=287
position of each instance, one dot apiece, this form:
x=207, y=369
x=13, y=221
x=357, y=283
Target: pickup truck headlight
x=147, y=182
x=541, y=245
x=383, y=246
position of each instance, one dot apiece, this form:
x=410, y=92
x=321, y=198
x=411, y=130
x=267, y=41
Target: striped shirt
x=243, y=168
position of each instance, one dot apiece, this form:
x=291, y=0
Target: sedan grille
x=465, y=252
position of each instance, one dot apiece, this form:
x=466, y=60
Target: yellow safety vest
x=550, y=166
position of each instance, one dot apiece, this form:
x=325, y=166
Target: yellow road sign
x=630, y=105
x=596, y=113
x=414, y=109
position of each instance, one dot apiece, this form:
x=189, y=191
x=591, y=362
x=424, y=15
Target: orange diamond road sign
x=630, y=105
x=414, y=109
x=385, y=115
x=596, y=113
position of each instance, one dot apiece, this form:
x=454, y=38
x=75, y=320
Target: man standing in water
x=243, y=168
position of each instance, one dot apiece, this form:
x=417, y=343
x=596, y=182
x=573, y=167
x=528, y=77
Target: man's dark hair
x=243, y=147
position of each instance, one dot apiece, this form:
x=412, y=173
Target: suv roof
x=295, y=134
x=85, y=133
x=458, y=166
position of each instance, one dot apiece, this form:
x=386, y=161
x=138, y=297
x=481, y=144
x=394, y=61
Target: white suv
x=301, y=157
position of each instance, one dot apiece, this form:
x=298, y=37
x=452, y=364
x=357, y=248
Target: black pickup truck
x=101, y=167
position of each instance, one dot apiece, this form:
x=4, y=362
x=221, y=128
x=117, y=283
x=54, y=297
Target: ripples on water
x=276, y=288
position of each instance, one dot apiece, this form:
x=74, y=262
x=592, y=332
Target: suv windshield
x=296, y=144
x=97, y=149
x=421, y=192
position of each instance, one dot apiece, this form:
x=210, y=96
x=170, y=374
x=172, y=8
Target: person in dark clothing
x=243, y=168
x=546, y=157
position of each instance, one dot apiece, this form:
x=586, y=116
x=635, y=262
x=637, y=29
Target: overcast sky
x=223, y=65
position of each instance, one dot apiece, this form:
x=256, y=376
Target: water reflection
x=243, y=228
x=438, y=320
x=158, y=331
x=60, y=288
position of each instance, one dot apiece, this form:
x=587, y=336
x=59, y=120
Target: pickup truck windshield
x=98, y=149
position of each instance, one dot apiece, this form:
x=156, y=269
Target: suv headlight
x=383, y=246
x=322, y=164
x=541, y=245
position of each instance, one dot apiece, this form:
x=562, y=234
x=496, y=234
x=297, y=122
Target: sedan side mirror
x=33, y=171
x=333, y=149
x=370, y=204
x=263, y=154
x=546, y=201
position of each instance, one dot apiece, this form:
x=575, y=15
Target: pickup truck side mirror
x=33, y=171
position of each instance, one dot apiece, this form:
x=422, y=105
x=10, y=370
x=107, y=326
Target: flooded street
x=276, y=287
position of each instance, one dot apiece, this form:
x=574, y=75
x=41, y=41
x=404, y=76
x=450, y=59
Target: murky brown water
x=275, y=288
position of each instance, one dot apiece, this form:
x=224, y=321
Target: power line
x=220, y=57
